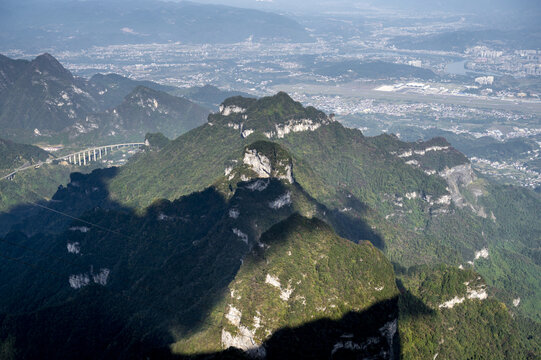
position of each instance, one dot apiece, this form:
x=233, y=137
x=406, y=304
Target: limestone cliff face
x=274, y=116
x=461, y=179
x=231, y=109
x=295, y=125
x=456, y=177
x=438, y=157
x=263, y=167
x=269, y=160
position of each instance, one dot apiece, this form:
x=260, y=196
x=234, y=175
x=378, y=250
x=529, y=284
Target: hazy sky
x=413, y=5
x=479, y=6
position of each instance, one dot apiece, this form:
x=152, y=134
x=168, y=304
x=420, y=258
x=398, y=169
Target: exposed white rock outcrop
x=409, y=153
x=149, y=103
x=281, y=201
x=478, y=293
x=516, y=302
x=245, y=337
x=234, y=213
x=457, y=176
x=412, y=162
x=263, y=167
x=79, y=91
x=451, y=303
x=82, y=229
x=78, y=281
x=258, y=185
x=432, y=148
x=460, y=174
x=246, y=133
x=285, y=293
x=288, y=174
x=241, y=235
x=231, y=109
x=234, y=294
x=411, y=195
x=101, y=277
x=444, y=200
x=74, y=248
x=483, y=253
x=259, y=163
x=295, y=126
x=273, y=280
x=234, y=315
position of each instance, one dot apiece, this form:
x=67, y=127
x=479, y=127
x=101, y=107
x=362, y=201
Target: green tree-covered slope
x=178, y=271
x=209, y=244
x=422, y=200
x=444, y=313
x=13, y=155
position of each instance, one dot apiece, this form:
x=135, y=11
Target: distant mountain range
x=146, y=110
x=42, y=95
x=460, y=40
x=82, y=24
x=41, y=100
x=273, y=231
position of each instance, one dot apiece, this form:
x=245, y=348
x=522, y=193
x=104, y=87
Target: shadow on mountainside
x=85, y=277
x=351, y=227
x=371, y=333
x=82, y=193
x=112, y=269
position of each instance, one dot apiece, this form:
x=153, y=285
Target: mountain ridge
x=232, y=219
x=411, y=201
x=43, y=100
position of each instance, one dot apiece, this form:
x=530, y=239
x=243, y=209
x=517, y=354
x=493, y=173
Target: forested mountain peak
x=274, y=116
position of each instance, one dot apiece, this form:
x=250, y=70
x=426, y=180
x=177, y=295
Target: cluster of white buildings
x=518, y=63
